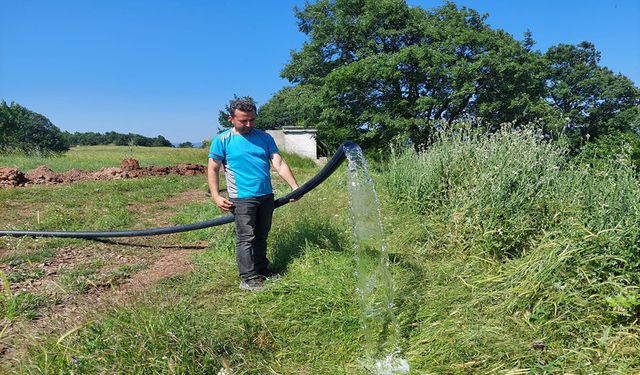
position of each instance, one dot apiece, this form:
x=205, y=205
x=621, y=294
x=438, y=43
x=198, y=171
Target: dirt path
x=69, y=307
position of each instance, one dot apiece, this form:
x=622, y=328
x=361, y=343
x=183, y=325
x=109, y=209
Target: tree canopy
x=373, y=70
x=594, y=100
x=26, y=131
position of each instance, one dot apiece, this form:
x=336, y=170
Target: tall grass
x=493, y=189
x=550, y=244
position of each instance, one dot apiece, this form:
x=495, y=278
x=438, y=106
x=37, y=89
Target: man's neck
x=238, y=133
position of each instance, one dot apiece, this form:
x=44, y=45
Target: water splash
x=374, y=284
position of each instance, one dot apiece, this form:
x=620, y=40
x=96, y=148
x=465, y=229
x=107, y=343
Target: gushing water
x=374, y=285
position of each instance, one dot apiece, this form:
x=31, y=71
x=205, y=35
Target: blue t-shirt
x=246, y=161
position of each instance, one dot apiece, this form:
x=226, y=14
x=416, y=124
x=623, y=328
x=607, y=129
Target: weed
x=17, y=305
x=81, y=278
x=27, y=273
x=121, y=273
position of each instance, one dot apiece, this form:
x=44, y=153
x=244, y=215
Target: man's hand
x=212, y=177
x=223, y=203
x=293, y=188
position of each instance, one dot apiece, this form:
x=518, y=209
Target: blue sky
x=167, y=67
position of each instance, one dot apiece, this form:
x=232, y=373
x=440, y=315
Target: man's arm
x=213, y=175
x=283, y=170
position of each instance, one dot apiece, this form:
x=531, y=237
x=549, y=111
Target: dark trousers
x=253, y=222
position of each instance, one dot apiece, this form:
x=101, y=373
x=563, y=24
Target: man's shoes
x=254, y=284
x=270, y=275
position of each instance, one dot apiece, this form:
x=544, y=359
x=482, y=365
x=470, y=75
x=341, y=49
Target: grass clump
x=17, y=305
x=23, y=305
x=493, y=189
x=81, y=278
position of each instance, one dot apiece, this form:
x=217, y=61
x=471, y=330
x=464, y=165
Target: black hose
x=316, y=180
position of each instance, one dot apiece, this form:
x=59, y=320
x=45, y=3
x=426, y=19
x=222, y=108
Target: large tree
x=595, y=101
x=376, y=69
x=372, y=70
x=26, y=131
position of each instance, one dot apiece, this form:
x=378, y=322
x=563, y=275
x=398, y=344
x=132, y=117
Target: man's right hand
x=223, y=203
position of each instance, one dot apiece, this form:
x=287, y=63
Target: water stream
x=374, y=284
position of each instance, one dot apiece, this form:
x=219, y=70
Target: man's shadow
x=291, y=242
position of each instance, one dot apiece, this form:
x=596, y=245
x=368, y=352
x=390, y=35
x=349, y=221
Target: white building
x=295, y=140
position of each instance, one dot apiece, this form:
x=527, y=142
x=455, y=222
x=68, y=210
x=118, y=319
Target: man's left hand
x=295, y=199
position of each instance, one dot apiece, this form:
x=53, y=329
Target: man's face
x=243, y=121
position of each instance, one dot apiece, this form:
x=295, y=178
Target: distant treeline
x=113, y=138
x=23, y=130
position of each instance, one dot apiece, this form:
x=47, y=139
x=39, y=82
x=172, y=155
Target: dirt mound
x=74, y=175
x=43, y=175
x=11, y=177
x=129, y=168
x=189, y=169
x=129, y=164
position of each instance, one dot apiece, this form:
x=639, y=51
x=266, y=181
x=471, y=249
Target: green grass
x=35, y=256
x=25, y=273
x=84, y=277
x=92, y=158
x=17, y=305
x=506, y=257
x=123, y=272
x=23, y=305
x=24, y=265
x=81, y=278
x=90, y=205
x=303, y=323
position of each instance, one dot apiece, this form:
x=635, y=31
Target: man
x=245, y=152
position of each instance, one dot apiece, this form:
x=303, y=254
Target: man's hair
x=241, y=104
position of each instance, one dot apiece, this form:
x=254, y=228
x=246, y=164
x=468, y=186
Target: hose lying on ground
x=316, y=180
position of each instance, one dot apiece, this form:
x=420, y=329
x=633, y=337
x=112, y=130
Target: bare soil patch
x=145, y=261
x=129, y=168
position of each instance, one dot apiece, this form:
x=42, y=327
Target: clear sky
x=167, y=67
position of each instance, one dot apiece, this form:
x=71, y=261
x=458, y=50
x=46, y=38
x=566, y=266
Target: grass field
x=506, y=259
x=92, y=158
